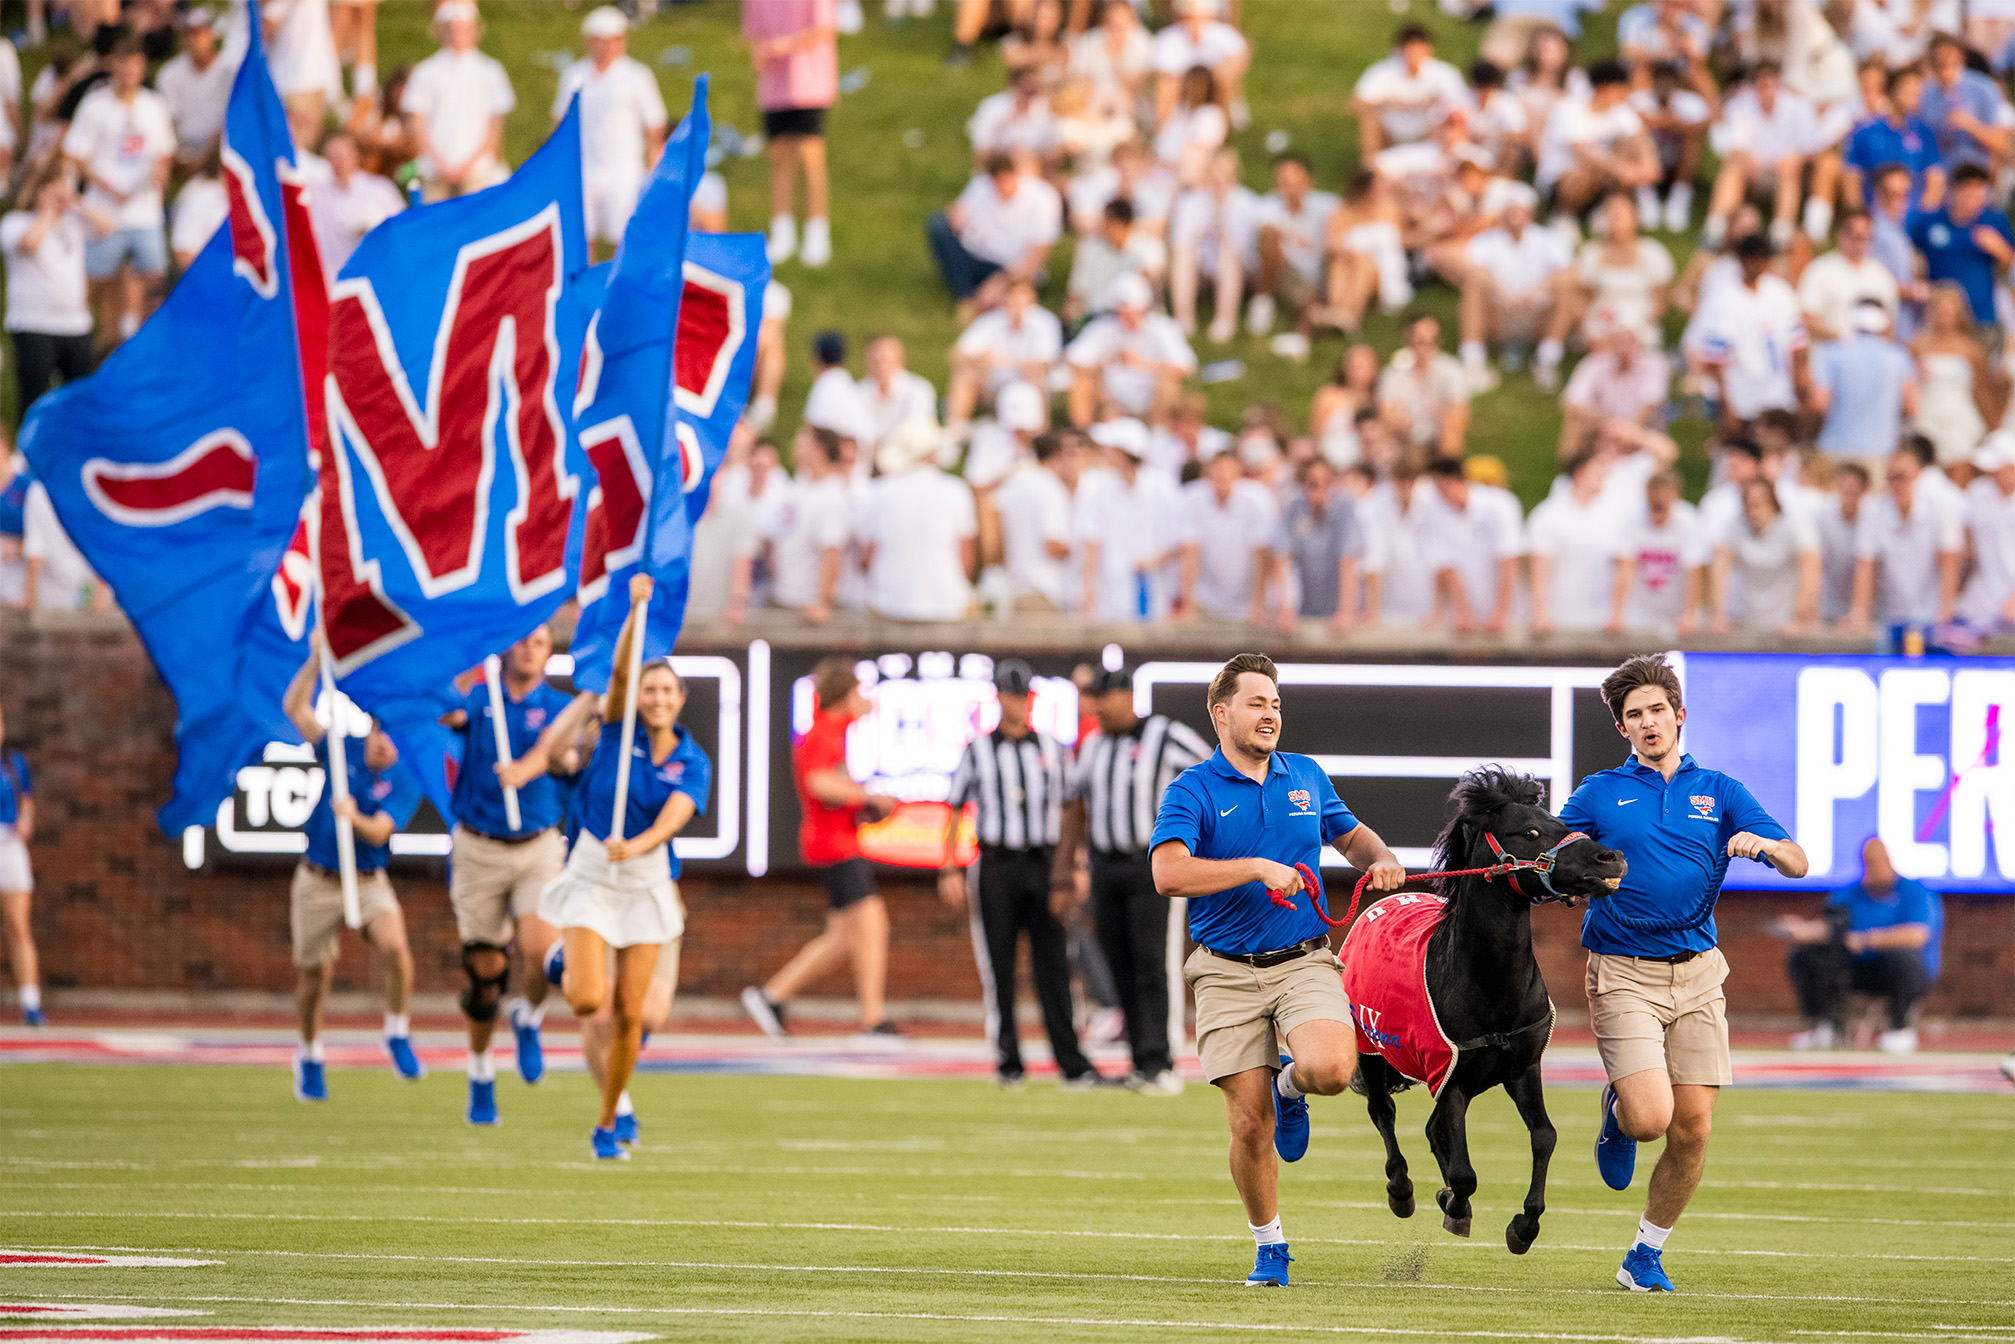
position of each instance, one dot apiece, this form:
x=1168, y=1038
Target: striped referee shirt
x=1017, y=785
x=1120, y=778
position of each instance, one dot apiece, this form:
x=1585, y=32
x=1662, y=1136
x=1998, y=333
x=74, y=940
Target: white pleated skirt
x=627, y=903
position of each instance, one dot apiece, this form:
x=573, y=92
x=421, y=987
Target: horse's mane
x=1476, y=795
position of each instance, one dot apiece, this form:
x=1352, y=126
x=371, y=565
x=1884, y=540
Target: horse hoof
x=1518, y=1245
x=1458, y=1226
x=1401, y=1205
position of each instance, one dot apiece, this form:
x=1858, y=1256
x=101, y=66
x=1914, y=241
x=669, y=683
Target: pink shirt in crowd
x=809, y=78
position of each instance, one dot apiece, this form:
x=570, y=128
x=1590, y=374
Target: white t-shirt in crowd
x=343, y=214
x=196, y=98
x=1200, y=220
x=1752, y=334
x=1625, y=294
x=1521, y=266
x=993, y=455
x=121, y=143
x=1037, y=339
x=1035, y=510
x=64, y=571
x=997, y=126
x=1410, y=104
x=1990, y=519
x=1202, y=128
x=725, y=534
x=815, y=518
x=1832, y=285
x=1303, y=232
x=459, y=94
x=620, y=106
x=915, y=521
x=10, y=94
x=834, y=403
x=1227, y=533
x=201, y=208
x=1397, y=548
x=1175, y=51
x=1763, y=582
x=1003, y=230
x=1839, y=538
x=1584, y=542
x=47, y=291
x=1574, y=121
x=1092, y=58
x=1789, y=129
x=1105, y=339
x=1906, y=551
x=1475, y=540
x=1136, y=528
x=1152, y=193
x=911, y=396
x=1603, y=386
x=1664, y=556
x=302, y=54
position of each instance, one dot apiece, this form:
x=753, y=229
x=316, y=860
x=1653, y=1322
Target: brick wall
x=117, y=910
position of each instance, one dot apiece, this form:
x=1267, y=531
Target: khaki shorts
x=1650, y=1015
x=493, y=883
x=315, y=911
x=1239, y=1008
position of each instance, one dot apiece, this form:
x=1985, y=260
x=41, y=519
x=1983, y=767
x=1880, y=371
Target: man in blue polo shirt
x=500, y=869
x=1654, y=973
x=1900, y=137
x=1968, y=242
x=1228, y=836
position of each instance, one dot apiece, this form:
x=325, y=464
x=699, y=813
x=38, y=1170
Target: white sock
x=1472, y=352
x=363, y=80
x=482, y=1067
x=1550, y=352
x=1283, y=1083
x=397, y=1024
x=1818, y=219
x=534, y=1014
x=1652, y=1235
x=789, y=222
x=1680, y=197
x=311, y=1051
x=31, y=996
x=1270, y=1235
x=623, y=1105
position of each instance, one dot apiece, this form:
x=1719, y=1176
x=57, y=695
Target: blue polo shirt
x=15, y=784
x=395, y=791
x=479, y=798
x=652, y=784
x=1878, y=142
x=1977, y=94
x=1951, y=254
x=1675, y=837
x=1221, y=814
x=1907, y=902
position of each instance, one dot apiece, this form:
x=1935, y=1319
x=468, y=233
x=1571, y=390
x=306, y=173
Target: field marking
x=84, y=1311
x=1058, y=1274
x=910, y=1231
x=23, y=1258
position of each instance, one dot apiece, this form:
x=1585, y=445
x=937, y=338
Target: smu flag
x=179, y=468
x=664, y=378
x=444, y=497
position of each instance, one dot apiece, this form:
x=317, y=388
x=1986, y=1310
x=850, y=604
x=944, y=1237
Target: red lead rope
x=1314, y=886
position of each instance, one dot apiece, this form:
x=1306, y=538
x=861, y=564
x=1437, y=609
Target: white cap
x=910, y=444
x=605, y=21
x=1124, y=433
x=1133, y=292
x=1871, y=316
x=1996, y=451
x=1020, y=406
x=450, y=10
x=197, y=17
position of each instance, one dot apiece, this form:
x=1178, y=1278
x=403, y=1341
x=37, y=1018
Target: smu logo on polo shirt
x=1703, y=804
x=1302, y=799
x=382, y=790
x=535, y=719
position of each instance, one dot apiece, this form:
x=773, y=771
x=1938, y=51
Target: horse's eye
x=1534, y=832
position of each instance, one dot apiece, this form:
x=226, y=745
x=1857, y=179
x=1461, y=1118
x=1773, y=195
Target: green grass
x=940, y=1210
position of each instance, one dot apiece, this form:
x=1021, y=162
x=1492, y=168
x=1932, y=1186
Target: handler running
x=1654, y=972
x=1230, y=830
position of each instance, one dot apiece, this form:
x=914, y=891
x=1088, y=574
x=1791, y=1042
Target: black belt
x=505, y=839
x=1676, y=959
x=1262, y=960
x=319, y=871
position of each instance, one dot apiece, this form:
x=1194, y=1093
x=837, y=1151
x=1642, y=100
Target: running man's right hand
x=1277, y=876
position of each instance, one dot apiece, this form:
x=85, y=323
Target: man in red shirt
x=834, y=808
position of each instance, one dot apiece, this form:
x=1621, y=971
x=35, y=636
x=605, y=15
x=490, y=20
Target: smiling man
x=1654, y=972
x=1228, y=836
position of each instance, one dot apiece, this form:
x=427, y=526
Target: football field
x=780, y=1207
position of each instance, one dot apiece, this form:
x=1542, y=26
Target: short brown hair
x=1224, y=685
x=833, y=680
x=1646, y=670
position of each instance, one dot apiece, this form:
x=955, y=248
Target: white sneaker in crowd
x=1821, y=1037
x=1259, y=314
x=1901, y=1042
x=783, y=239
x=1290, y=345
x=818, y=248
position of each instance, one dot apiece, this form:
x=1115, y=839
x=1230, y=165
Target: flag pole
x=635, y=674
x=493, y=672
x=339, y=786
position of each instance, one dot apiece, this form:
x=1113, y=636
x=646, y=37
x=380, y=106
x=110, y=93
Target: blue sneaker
x=556, y=963
x=1290, y=1129
x=1269, y=1267
x=607, y=1148
x=531, y=1053
x=483, y=1102
x=404, y=1062
x=310, y=1082
x=32, y=1017
x=626, y=1129
x=1642, y=1272
x=1615, y=1151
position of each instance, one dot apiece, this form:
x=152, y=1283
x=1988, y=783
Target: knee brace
x=485, y=992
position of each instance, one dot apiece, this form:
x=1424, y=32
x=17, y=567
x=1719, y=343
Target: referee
x=1109, y=804
x=1014, y=776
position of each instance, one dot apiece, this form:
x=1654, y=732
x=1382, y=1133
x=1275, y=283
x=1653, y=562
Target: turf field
x=932, y=1209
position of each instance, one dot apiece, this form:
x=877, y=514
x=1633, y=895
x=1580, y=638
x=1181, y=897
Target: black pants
x=1132, y=922
x=1014, y=896
x=1824, y=974
x=39, y=357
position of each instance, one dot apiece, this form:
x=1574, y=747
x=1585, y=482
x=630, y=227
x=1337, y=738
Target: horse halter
x=1508, y=867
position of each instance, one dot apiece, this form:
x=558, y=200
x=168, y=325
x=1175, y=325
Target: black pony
x=1488, y=998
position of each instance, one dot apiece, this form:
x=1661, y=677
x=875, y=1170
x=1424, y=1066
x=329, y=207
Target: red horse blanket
x=1385, y=977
